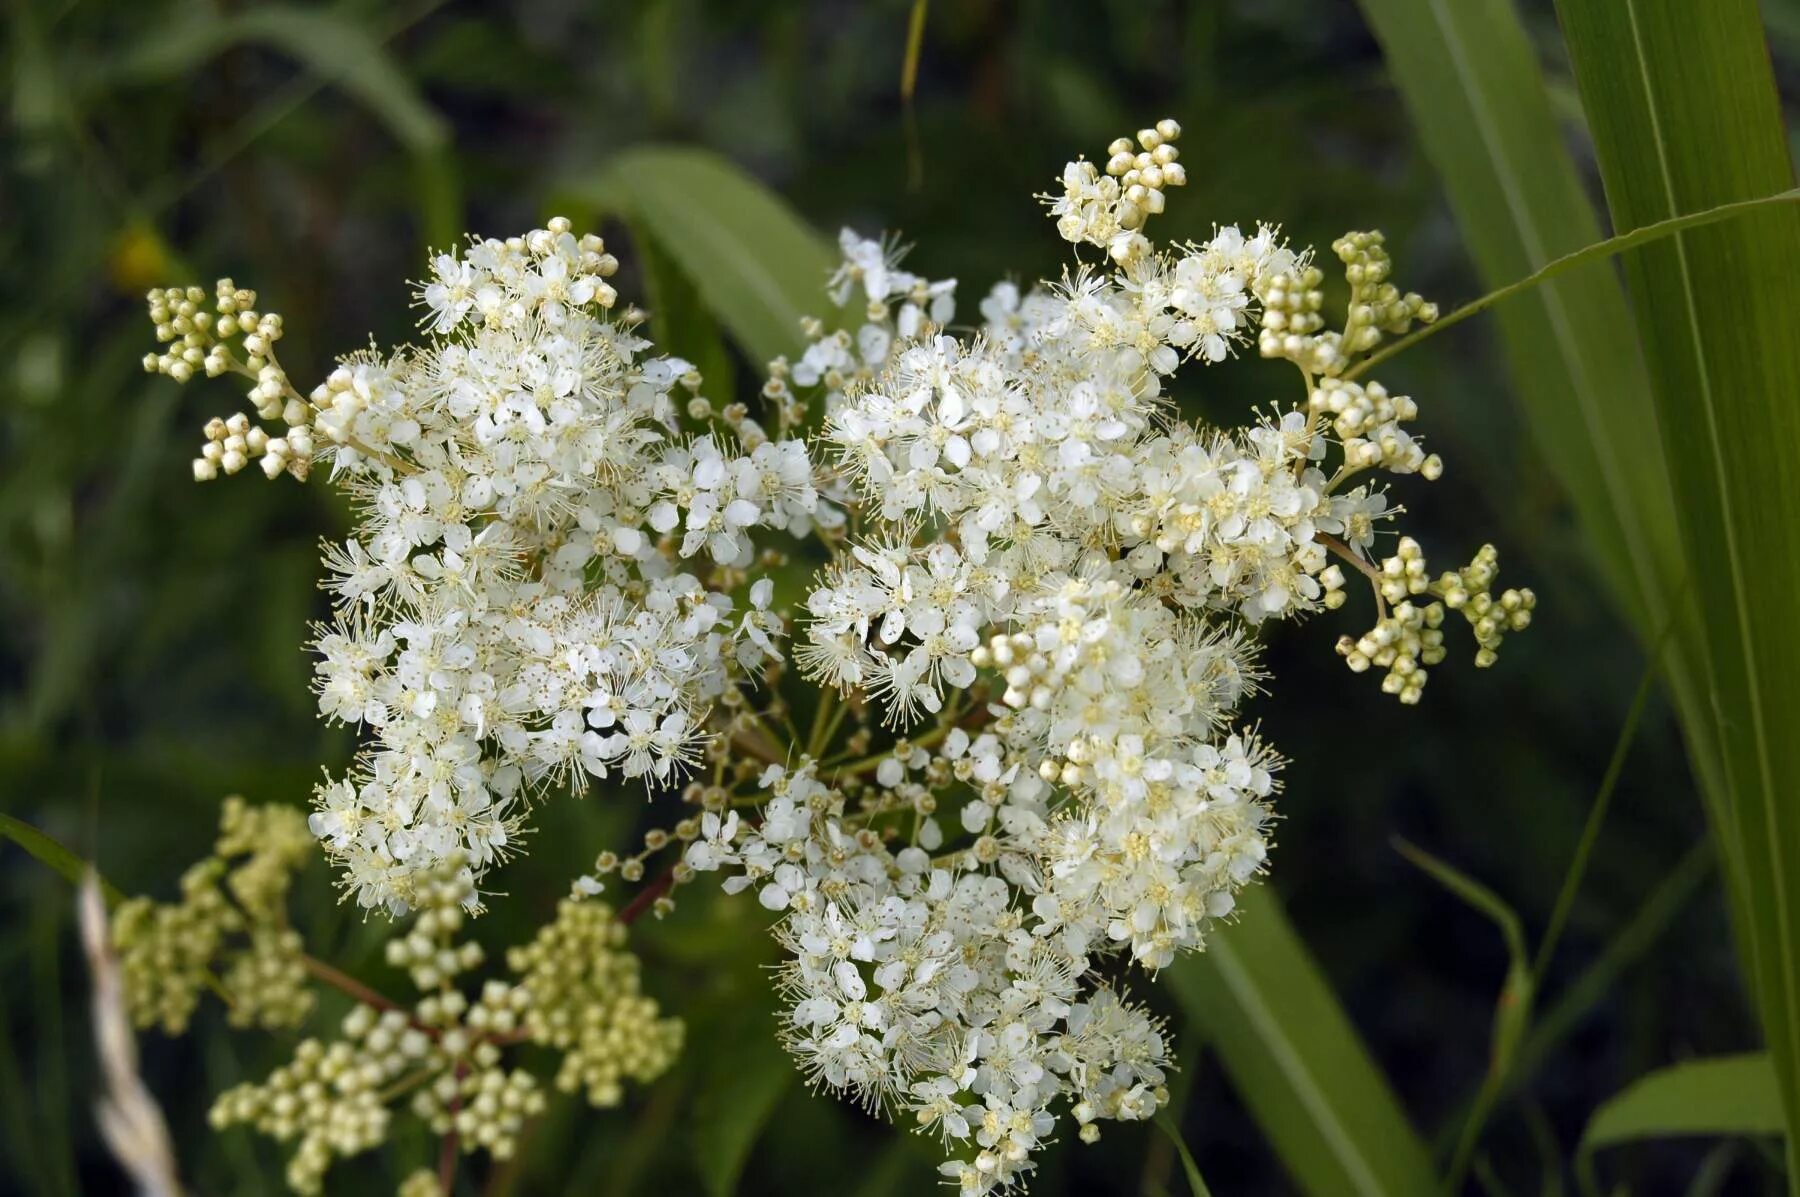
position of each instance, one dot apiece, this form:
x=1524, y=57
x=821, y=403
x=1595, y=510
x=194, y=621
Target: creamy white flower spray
x=1027, y=773
x=506, y=618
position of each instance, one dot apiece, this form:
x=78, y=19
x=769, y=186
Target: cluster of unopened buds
x=576, y=991
x=1111, y=210
x=551, y=582
x=231, y=918
x=233, y=337
x=1406, y=638
x=1144, y=170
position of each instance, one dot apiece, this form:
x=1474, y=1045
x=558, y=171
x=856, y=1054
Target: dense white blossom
x=1037, y=526
x=1043, y=580
x=526, y=597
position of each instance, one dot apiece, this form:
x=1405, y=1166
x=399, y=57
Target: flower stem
x=346, y=983
x=1340, y=549
x=646, y=897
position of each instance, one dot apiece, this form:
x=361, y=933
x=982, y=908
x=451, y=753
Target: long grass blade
x=1684, y=116
x=1471, y=82
x=1470, y=77
x=47, y=851
x=1560, y=1017
x=1596, y=819
x=1294, y=1058
x=1599, y=251
x=1512, y=1009
x=1190, y=1167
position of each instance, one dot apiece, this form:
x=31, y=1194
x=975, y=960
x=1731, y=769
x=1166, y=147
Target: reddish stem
x=646, y=897
x=447, y=1149
x=345, y=982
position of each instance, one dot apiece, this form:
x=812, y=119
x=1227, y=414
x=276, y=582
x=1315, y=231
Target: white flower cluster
x=1067, y=581
x=515, y=605
x=549, y=582
x=919, y=985
x=886, y=304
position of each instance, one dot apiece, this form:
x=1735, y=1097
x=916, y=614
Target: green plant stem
x=1460, y=1159
x=869, y=764
x=829, y=703
x=1590, y=831
x=406, y=1084
x=1341, y=550
x=1589, y=253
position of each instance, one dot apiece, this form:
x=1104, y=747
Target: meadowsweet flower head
x=1063, y=584
x=1041, y=589
x=539, y=586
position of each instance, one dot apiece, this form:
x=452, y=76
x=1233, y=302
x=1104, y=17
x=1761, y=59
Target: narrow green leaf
x=682, y=324
x=1512, y=1008
x=65, y=863
x=1471, y=82
x=1728, y=1095
x=1470, y=78
x=336, y=49
x=915, y=49
x=329, y=43
x=739, y=1087
x=755, y=263
x=74, y=870
x=1710, y=1176
x=1685, y=116
x=1196, y=1182
x=1596, y=817
x=1261, y=1003
x=1652, y=917
x=1470, y=891
x=1599, y=251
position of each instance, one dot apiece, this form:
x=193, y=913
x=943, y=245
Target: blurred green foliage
x=150, y=629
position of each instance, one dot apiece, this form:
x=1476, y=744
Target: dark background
x=150, y=629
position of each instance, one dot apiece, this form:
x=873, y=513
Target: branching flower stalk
x=575, y=990
x=1025, y=771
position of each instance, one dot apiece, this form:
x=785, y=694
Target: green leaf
x=915, y=49
x=1512, y=1009
x=1470, y=891
x=1261, y=1003
x=754, y=262
x=1600, y=250
x=65, y=863
x=1672, y=895
x=1470, y=79
x=1684, y=116
x=338, y=50
x=74, y=870
x=330, y=44
x=1471, y=82
x=1597, y=811
x=740, y=1084
x=1196, y=1182
x=682, y=325
x=1729, y=1095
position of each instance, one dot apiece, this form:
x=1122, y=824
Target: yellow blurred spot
x=139, y=260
